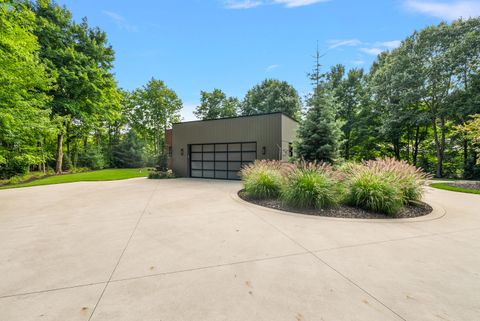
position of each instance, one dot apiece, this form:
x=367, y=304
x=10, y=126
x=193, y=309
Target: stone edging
x=437, y=213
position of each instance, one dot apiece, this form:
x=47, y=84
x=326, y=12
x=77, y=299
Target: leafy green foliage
x=272, y=96
x=409, y=179
x=319, y=133
x=216, y=105
x=311, y=188
x=24, y=118
x=383, y=185
x=262, y=179
x=152, y=109
x=373, y=191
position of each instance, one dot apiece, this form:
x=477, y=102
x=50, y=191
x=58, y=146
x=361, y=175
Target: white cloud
x=247, y=4
x=298, y=3
x=372, y=51
x=378, y=47
x=391, y=44
x=271, y=68
x=450, y=10
x=341, y=43
x=242, y=4
x=120, y=21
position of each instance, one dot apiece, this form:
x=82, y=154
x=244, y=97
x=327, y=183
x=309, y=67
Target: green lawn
x=454, y=188
x=102, y=175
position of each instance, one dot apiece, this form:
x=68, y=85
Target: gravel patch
x=343, y=211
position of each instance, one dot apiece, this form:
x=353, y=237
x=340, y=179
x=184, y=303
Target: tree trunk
x=465, y=157
x=58, y=166
x=415, y=147
x=347, y=146
x=439, y=169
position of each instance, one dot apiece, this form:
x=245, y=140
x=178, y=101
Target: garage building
x=218, y=148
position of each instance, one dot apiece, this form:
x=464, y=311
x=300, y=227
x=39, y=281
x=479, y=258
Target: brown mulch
x=469, y=185
x=343, y=211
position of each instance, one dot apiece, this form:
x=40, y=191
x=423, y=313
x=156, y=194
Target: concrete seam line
x=397, y=239
x=326, y=264
x=125, y=248
x=210, y=267
x=50, y=290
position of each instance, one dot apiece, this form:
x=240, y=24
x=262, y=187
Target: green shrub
x=262, y=179
x=311, y=188
x=374, y=191
x=161, y=174
x=92, y=158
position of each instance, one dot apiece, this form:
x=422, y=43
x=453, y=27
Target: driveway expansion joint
x=125, y=248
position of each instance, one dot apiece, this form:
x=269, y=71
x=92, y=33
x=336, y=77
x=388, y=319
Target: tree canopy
x=272, y=96
x=216, y=105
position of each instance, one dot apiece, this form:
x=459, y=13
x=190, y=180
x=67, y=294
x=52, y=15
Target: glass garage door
x=222, y=161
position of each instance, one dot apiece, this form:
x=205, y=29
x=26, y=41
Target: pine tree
x=319, y=133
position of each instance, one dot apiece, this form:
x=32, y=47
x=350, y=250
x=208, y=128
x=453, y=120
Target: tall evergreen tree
x=319, y=133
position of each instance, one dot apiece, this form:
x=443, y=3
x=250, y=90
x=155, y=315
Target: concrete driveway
x=189, y=250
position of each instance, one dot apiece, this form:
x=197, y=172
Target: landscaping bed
x=416, y=209
x=381, y=188
x=467, y=185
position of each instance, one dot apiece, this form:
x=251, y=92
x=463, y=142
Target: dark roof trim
x=243, y=116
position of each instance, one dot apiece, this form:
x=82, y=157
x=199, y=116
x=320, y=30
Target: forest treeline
x=61, y=108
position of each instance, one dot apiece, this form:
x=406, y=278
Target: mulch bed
x=468, y=185
x=343, y=211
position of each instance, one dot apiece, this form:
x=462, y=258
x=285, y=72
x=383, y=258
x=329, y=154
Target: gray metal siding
x=266, y=130
x=289, y=133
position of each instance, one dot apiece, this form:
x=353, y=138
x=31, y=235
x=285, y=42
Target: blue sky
x=198, y=45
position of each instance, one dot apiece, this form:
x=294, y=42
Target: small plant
x=262, y=179
x=311, y=186
x=161, y=174
x=409, y=179
x=374, y=191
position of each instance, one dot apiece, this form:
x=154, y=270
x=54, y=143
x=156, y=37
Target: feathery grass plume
x=262, y=179
x=312, y=185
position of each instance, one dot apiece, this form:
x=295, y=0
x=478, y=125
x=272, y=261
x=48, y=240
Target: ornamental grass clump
x=409, y=179
x=262, y=179
x=373, y=191
x=311, y=185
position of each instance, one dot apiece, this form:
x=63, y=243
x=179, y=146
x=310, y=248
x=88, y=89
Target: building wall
x=289, y=134
x=266, y=130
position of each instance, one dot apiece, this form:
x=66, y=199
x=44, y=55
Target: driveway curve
x=188, y=250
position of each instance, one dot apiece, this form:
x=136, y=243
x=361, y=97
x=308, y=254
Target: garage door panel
x=208, y=156
x=221, y=174
x=196, y=165
x=196, y=156
x=221, y=156
x=235, y=156
x=208, y=165
x=196, y=173
x=222, y=160
x=221, y=166
x=208, y=174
